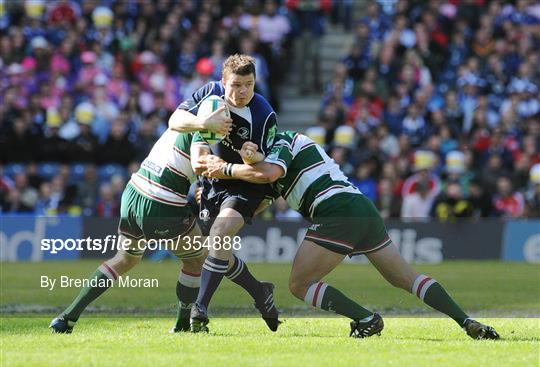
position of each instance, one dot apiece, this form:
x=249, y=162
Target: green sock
x=328, y=298
x=187, y=289
x=100, y=280
x=434, y=295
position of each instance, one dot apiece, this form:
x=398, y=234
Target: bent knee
x=123, y=261
x=401, y=281
x=298, y=287
x=193, y=265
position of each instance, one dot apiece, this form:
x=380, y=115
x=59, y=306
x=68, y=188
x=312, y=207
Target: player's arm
x=199, y=148
x=185, y=119
x=270, y=170
x=259, y=173
x=185, y=122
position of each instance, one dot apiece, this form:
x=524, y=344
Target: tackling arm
x=259, y=173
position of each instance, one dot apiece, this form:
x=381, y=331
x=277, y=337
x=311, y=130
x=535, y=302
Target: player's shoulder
x=214, y=87
x=260, y=105
x=292, y=138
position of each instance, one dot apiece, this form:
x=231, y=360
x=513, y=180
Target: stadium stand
x=434, y=112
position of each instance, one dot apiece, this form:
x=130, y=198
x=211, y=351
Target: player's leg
x=244, y=207
x=312, y=263
x=399, y=273
x=227, y=223
x=340, y=223
x=132, y=209
x=98, y=282
x=189, y=278
x=262, y=292
x=222, y=262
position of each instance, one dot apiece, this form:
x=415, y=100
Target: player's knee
x=298, y=287
x=123, y=262
x=227, y=225
x=224, y=228
x=193, y=265
x=400, y=281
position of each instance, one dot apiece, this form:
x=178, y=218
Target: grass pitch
x=246, y=342
x=129, y=327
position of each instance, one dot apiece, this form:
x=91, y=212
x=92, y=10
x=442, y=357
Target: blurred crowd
x=435, y=110
x=433, y=113
x=87, y=87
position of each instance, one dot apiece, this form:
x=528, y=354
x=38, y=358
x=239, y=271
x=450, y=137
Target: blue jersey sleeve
x=192, y=104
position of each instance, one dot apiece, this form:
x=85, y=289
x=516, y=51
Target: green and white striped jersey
x=310, y=177
x=166, y=174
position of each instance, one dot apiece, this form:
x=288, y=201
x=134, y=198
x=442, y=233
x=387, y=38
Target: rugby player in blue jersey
x=226, y=205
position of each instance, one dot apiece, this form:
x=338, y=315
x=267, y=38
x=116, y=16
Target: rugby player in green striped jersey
x=344, y=223
x=154, y=206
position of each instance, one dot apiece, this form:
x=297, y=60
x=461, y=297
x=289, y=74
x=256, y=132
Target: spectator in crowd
x=532, y=195
x=283, y=212
x=54, y=148
x=364, y=181
x=13, y=203
x=309, y=20
x=450, y=79
x=117, y=147
x=387, y=201
x=45, y=205
x=107, y=206
x=27, y=195
x=88, y=189
x=417, y=205
x=20, y=145
x=480, y=199
x=451, y=204
x=507, y=203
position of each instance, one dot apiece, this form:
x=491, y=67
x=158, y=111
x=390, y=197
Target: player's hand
x=210, y=159
x=212, y=166
x=248, y=151
x=197, y=167
x=217, y=122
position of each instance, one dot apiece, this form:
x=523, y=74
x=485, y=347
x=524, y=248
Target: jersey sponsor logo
x=314, y=227
x=243, y=132
x=152, y=167
x=228, y=143
x=161, y=233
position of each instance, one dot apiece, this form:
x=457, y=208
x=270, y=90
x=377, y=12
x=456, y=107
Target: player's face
x=239, y=89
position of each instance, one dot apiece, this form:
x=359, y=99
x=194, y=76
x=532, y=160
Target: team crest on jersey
x=204, y=214
x=243, y=132
x=271, y=136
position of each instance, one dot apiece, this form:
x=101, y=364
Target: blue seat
x=12, y=169
x=77, y=172
x=106, y=171
x=48, y=170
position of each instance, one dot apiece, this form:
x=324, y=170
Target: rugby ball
x=207, y=106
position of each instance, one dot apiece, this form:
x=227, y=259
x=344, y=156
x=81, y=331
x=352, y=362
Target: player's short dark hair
x=239, y=64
